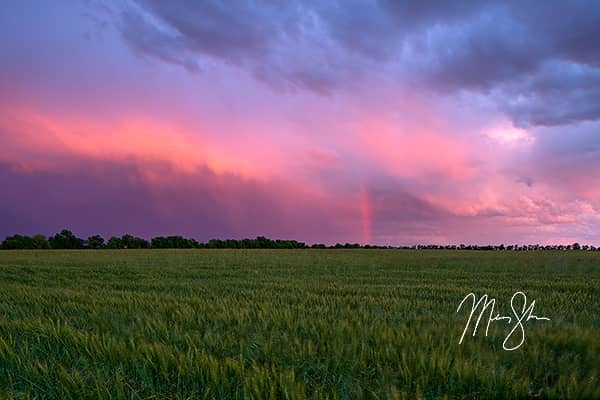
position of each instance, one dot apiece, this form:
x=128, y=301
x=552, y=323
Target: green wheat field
x=279, y=324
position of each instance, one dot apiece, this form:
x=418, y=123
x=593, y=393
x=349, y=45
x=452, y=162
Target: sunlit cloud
x=506, y=133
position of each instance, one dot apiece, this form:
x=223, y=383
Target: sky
x=379, y=122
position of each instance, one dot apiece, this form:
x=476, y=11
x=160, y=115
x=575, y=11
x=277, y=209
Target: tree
x=114, y=243
x=25, y=242
x=65, y=240
x=40, y=242
x=174, y=242
x=17, y=242
x=95, y=242
x=132, y=242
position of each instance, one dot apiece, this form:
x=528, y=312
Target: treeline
x=65, y=239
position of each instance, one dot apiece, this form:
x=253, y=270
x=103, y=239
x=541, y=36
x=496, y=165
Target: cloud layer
x=367, y=121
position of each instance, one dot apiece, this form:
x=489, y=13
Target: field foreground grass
x=187, y=324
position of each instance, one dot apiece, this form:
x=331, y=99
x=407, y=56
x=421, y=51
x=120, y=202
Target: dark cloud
x=113, y=198
x=212, y=27
x=569, y=30
x=487, y=46
x=416, y=14
x=145, y=38
x=516, y=36
x=279, y=43
x=474, y=54
x=558, y=93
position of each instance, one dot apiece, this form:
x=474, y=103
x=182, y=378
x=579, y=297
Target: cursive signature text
x=520, y=316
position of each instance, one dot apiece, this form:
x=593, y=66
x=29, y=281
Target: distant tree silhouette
x=132, y=242
x=173, y=242
x=65, y=240
x=95, y=242
x=14, y=242
x=114, y=243
x=40, y=242
x=25, y=242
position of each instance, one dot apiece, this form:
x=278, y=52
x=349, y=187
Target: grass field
x=187, y=324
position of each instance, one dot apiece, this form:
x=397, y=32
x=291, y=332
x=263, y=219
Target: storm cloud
x=513, y=51
x=363, y=121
